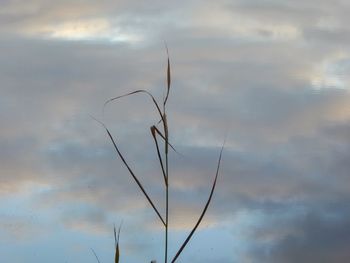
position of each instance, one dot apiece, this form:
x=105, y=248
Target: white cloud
x=331, y=72
x=98, y=29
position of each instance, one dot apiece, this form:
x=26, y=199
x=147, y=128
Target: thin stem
x=166, y=134
x=166, y=223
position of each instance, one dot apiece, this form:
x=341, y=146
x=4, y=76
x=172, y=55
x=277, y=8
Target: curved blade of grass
x=93, y=251
x=204, y=210
x=162, y=136
x=129, y=169
x=153, y=132
x=135, y=92
x=168, y=76
x=134, y=176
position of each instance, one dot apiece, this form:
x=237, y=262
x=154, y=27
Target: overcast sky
x=272, y=75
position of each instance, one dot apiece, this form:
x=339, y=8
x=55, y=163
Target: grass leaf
x=93, y=251
x=204, y=210
x=136, y=92
x=130, y=171
x=162, y=136
x=168, y=76
x=154, y=135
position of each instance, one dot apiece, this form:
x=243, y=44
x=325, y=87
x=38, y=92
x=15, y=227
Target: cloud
x=317, y=235
x=271, y=75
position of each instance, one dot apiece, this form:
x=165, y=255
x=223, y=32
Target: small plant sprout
x=160, y=135
x=116, y=244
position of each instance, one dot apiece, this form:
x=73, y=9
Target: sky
x=272, y=76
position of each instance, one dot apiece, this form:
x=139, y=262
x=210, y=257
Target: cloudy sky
x=272, y=75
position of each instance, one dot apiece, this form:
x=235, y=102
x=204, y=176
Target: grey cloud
x=287, y=142
x=318, y=235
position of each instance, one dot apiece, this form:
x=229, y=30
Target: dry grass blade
x=161, y=135
x=153, y=131
x=134, y=176
x=204, y=210
x=168, y=76
x=136, y=92
x=93, y=251
x=130, y=171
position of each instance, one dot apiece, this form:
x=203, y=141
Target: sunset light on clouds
x=271, y=75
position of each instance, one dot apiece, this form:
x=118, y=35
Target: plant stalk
x=166, y=134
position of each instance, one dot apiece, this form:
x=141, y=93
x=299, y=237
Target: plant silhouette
x=161, y=140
